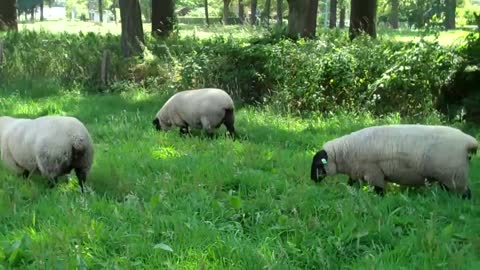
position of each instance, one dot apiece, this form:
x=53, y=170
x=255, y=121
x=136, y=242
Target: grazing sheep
x=51, y=145
x=206, y=109
x=403, y=154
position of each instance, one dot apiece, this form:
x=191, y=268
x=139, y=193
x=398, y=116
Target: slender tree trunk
x=163, y=17
x=266, y=12
x=341, y=23
x=362, y=18
x=205, y=3
x=41, y=11
x=132, y=29
x=394, y=15
x=32, y=14
x=450, y=8
x=333, y=14
x=241, y=11
x=8, y=15
x=253, y=12
x=302, y=18
x=226, y=4
x=100, y=9
x=280, y=12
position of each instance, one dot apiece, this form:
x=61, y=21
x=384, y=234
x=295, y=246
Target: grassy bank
x=156, y=200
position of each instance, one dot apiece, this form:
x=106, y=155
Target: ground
x=445, y=38
x=159, y=200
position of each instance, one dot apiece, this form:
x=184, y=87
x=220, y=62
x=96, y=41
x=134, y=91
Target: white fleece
x=46, y=144
x=404, y=154
x=199, y=108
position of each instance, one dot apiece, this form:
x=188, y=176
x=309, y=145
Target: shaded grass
x=221, y=204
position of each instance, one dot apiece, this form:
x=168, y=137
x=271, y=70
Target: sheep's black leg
x=25, y=174
x=351, y=181
x=467, y=194
x=82, y=177
x=184, y=131
x=52, y=182
x=229, y=121
x=380, y=191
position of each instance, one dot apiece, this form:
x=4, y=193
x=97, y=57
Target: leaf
x=235, y=202
x=163, y=246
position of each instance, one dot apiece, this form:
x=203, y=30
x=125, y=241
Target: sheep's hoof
x=467, y=195
x=380, y=191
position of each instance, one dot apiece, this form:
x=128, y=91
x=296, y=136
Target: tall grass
x=160, y=201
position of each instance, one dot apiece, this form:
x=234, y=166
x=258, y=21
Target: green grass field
x=160, y=201
x=445, y=38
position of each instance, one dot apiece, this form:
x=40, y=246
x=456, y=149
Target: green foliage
x=155, y=200
x=323, y=75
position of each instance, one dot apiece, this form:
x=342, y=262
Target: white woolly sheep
x=403, y=154
x=206, y=109
x=49, y=145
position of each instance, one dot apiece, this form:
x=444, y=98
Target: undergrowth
x=325, y=75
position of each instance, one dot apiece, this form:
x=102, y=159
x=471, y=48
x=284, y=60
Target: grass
x=157, y=200
x=200, y=31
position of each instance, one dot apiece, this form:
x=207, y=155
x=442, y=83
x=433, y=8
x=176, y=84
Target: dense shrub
x=323, y=75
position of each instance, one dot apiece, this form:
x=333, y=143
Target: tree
x=163, y=17
x=280, y=12
x=206, y=12
x=132, y=38
x=8, y=15
x=253, y=12
x=100, y=9
x=333, y=14
x=226, y=4
x=266, y=12
x=241, y=10
x=343, y=7
x=362, y=18
x=302, y=18
x=395, y=4
x=450, y=9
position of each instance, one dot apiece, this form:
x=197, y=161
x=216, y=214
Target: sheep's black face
x=156, y=123
x=319, y=162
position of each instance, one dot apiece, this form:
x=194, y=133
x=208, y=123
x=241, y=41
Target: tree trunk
x=100, y=9
x=162, y=17
x=132, y=38
x=32, y=14
x=280, y=12
x=226, y=3
x=394, y=14
x=41, y=12
x=266, y=12
x=241, y=11
x=8, y=15
x=253, y=12
x=205, y=3
x=302, y=18
x=341, y=23
x=333, y=13
x=362, y=18
x=450, y=9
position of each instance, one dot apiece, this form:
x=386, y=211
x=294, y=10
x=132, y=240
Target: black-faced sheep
x=205, y=109
x=403, y=154
x=49, y=145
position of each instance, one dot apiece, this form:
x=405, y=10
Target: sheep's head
x=161, y=124
x=319, y=163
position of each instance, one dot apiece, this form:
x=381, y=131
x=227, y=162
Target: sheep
x=403, y=154
x=206, y=109
x=49, y=145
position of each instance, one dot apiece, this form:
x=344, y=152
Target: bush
x=323, y=75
